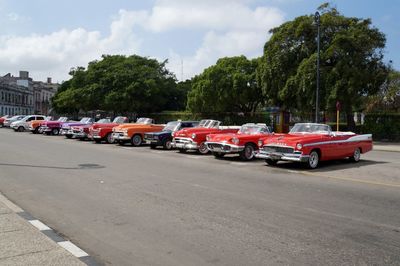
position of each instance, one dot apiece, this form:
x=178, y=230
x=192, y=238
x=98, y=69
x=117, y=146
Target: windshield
x=103, y=121
x=203, y=123
x=48, y=118
x=171, y=126
x=119, y=119
x=144, y=121
x=85, y=120
x=309, y=128
x=253, y=129
x=212, y=124
x=62, y=119
x=16, y=117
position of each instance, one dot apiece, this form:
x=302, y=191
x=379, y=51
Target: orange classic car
x=35, y=125
x=134, y=132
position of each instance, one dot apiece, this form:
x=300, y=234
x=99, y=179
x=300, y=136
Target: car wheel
x=271, y=162
x=21, y=129
x=182, y=150
x=356, y=155
x=167, y=144
x=68, y=136
x=152, y=146
x=1, y=125
x=97, y=141
x=109, y=138
x=248, y=152
x=35, y=131
x=55, y=131
x=313, y=160
x=203, y=148
x=218, y=155
x=136, y=140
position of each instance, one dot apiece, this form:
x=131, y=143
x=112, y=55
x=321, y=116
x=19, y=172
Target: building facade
x=23, y=96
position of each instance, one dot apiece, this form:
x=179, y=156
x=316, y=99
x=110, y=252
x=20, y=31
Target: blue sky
x=47, y=37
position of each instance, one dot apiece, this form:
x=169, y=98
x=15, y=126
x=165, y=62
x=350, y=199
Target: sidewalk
x=386, y=146
x=25, y=242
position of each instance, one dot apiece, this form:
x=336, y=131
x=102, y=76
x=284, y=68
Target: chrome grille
x=278, y=149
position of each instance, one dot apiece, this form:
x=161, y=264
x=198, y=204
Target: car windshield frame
x=172, y=126
x=119, y=119
x=253, y=130
x=311, y=128
x=62, y=119
x=104, y=121
x=85, y=120
x=144, y=121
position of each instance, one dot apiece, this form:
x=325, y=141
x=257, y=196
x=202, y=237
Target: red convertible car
x=81, y=132
x=99, y=132
x=243, y=142
x=311, y=143
x=195, y=138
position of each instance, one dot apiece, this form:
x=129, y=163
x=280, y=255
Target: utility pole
x=317, y=21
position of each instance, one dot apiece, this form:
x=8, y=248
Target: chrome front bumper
x=294, y=157
x=120, y=136
x=80, y=135
x=185, y=144
x=223, y=147
x=66, y=132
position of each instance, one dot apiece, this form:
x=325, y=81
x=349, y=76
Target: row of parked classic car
x=309, y=143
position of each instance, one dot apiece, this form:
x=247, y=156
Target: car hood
x=74, y=124
x=104, y=125
x=293, y=139
x=159, y=133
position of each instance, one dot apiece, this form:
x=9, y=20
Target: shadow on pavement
x=79, y=167
x=328, y=165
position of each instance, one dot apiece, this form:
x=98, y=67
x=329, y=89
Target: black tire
x=356, y=156
x=35, y=131
x=203, y=148
x=21, y=129
x=97, y=141
x=167, y=144
x=182, y=150
x=68, y=136
x=136, y=140
x=248, y=152
x=55, y=131
x=218, y=155
x=109, y=138
x=313, y=160
x=153, y=146
x=271, y=162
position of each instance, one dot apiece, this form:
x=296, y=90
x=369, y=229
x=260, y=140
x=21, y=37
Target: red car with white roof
x=311, y=143
x=244, y=142
x=195, y=138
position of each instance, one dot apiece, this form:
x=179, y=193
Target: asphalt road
x=136, y=206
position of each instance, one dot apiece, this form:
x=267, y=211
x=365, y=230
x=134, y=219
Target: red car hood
x=104, y=125
x=187, y=132
x=293, y=139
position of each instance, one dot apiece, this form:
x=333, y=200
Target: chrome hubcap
x=249, y=152
x=357, y=155
x=314, y=159
x=203, y=148
x=168, y=145
x=137, y=140
x=109, y=138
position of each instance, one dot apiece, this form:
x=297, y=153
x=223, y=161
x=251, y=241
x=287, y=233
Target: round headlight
x=299, y=146
x=193, y=135
x=235, y=141
x=260, y=143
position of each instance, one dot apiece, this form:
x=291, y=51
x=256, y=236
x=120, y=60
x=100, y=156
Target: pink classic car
x=311, y=143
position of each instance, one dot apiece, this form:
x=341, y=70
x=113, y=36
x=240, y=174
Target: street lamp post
x=317, y=21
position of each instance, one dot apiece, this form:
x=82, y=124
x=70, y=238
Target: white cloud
x=231, y=27
x=54, y=54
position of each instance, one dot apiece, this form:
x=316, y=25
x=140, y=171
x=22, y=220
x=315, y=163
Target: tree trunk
x=351, y=125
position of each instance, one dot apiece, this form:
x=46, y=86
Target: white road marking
x=74, y=250
x=39, y=225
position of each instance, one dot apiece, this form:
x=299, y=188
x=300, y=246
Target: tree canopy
x=120, y=84
x=351, y=62
x=228, y=86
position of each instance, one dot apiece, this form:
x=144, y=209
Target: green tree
x=388, y=97
x=228, y=86
x=120, y=84
x=351, y=62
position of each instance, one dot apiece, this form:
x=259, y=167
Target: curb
x=50, y=233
